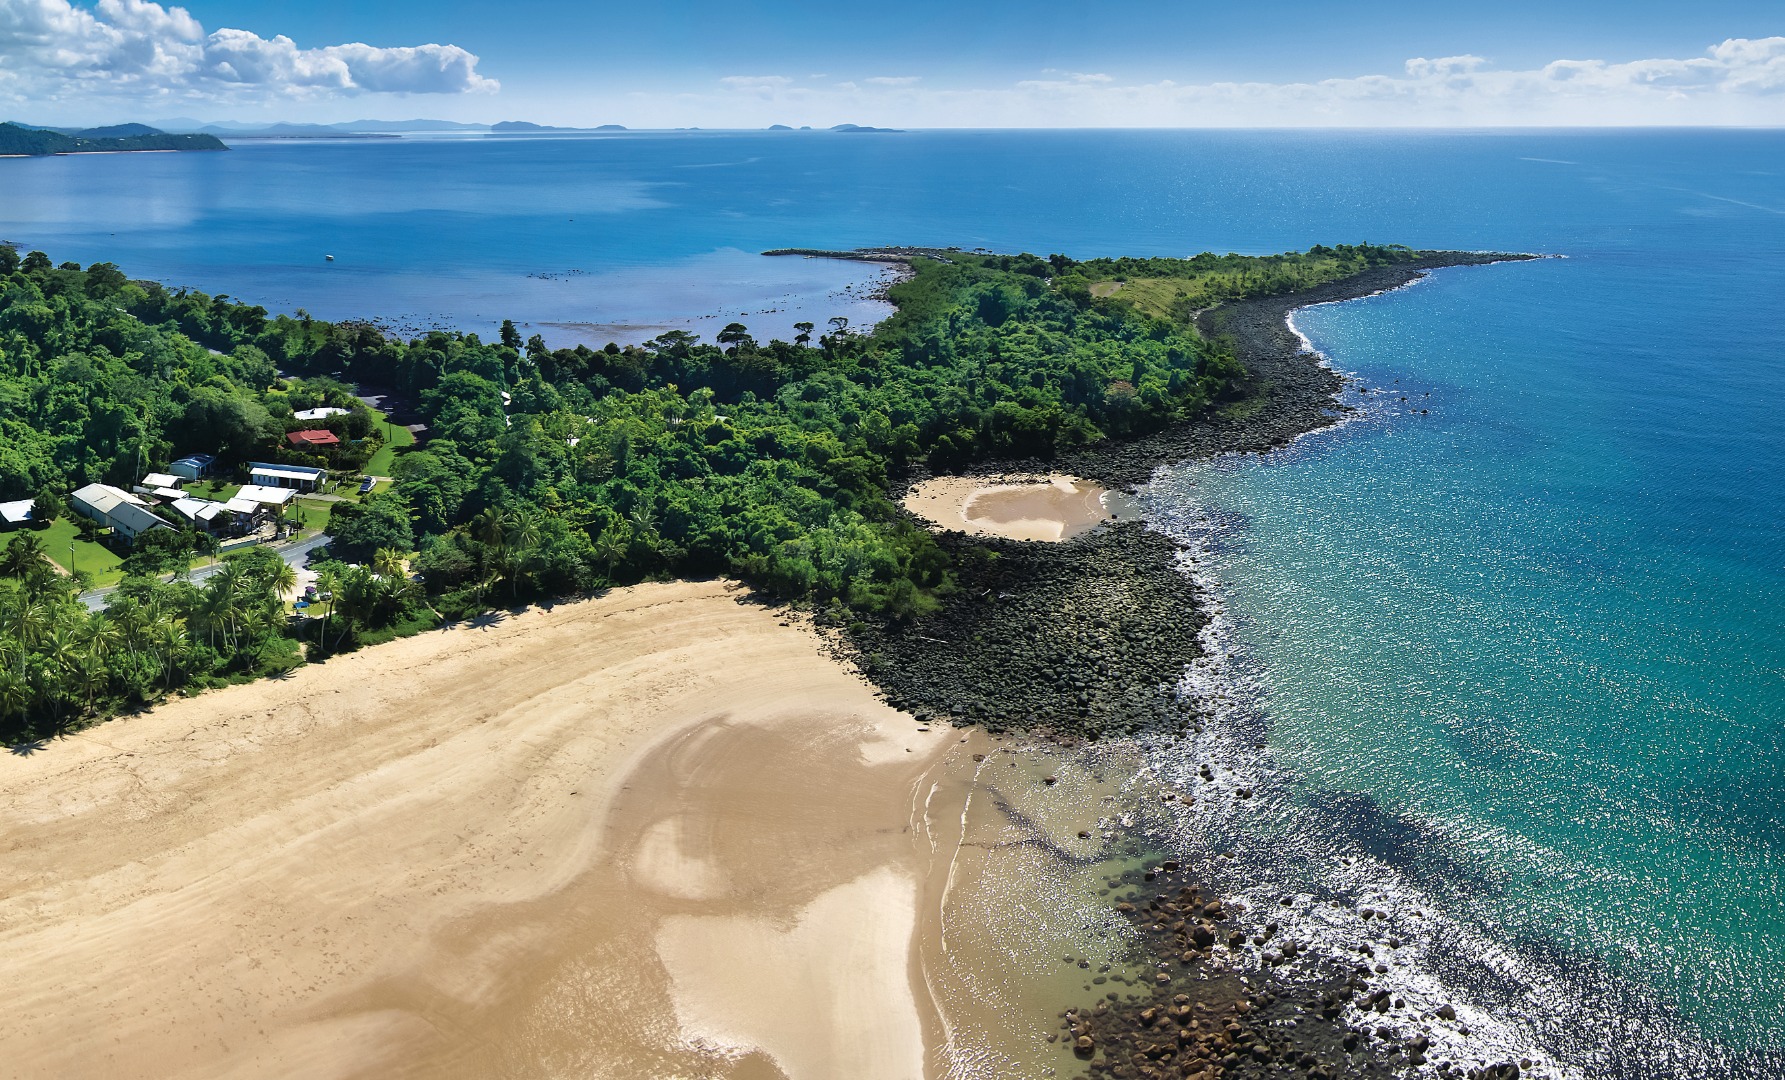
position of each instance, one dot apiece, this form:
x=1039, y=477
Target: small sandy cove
x=1049, y=508
x=655, y=834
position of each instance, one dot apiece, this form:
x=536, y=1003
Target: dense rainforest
x=558, y=471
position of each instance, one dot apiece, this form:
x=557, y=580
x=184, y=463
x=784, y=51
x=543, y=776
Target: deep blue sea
x=1515, y=647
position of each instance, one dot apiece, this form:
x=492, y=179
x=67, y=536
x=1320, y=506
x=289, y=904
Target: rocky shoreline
x=1219, y=1008
x=1088, y=639
x=1287, y=391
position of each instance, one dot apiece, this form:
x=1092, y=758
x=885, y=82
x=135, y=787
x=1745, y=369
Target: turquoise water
x=1517, y=661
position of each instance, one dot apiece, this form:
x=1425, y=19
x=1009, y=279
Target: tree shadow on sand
x=28, y=747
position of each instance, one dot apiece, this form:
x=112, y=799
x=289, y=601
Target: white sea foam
x=1511, y=1003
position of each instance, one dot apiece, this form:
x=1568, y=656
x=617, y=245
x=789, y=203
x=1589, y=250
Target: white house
x=296, y=477
x=319, y=414
x=255, y=504
x=205, y=515
x=14, y=514
x=119, y=511
x=277, y=497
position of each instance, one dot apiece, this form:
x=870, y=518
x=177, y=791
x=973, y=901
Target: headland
x=658, y=831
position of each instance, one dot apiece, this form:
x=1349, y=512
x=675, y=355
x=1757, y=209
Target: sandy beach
x=659, y=833
x=1047, y=508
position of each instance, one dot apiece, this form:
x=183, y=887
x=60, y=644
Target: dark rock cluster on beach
x=1078, y=639
x=1209, y=1015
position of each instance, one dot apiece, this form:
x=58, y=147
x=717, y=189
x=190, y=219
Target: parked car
x=365, y=485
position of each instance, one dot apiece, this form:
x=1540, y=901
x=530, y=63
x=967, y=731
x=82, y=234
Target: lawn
x=214, y=490
x=315, y=514
x=88, y=556
x=397, y=436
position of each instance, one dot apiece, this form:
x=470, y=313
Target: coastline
x=991, y=653
x=749, y=783
x=1088, y=638
x=1289, y=391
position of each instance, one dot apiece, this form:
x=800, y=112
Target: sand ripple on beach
x=596, y=841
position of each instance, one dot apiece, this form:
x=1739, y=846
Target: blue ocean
x=1505, y=659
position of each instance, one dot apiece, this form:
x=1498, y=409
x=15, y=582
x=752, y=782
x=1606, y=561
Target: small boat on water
x=330, y=258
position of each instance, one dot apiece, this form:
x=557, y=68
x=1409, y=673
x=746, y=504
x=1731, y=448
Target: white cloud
x=51, y=50
x=1421, y=68
x=894, y=80
x=756, y=82
x=1740, y=81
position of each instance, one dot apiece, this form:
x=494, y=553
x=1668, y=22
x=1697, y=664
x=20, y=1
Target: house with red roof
x=317, y=439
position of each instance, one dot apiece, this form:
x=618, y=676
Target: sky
x=917, y=63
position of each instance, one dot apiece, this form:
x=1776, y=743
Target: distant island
x=856, y=129
x=507, y=127
x=17, y=140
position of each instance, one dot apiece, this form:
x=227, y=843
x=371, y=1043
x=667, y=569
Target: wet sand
x=658, y=833
x=1047, y=508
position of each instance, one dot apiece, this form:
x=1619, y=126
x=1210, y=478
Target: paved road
x=295, y=554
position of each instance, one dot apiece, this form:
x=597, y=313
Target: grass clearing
x=396, y=437
x=315, y=514
x=1174, y=298
x=214, y=490
x=95, y=559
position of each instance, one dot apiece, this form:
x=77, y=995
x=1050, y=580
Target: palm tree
x=172, y=647
x=522, y=538
x=28, y=621
x=94, y=678
x=328, y=587
x=61, y=655
x=216, y=607
x=24, y=557
x=281, y=579
x=103, y=637
x=612, y=545
x=388, y=562
x=355, y=601
x=15, y=695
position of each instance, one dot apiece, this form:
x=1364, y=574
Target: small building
x=315, y=439
x=117, y=510
x=298, y=477
x=16, y=514
x=206, y=516
x=254, y=505
x=310, y=416
x=267, y=496
x=192, y=467
x=162, y=486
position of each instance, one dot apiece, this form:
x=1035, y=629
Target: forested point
x=548, y=473
x=17, y=140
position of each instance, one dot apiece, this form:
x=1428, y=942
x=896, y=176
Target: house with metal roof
x=298, y=477
x=206, y=516
x=16, y=514
x=310, y=416
x=192, y=467
x=117, y=510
